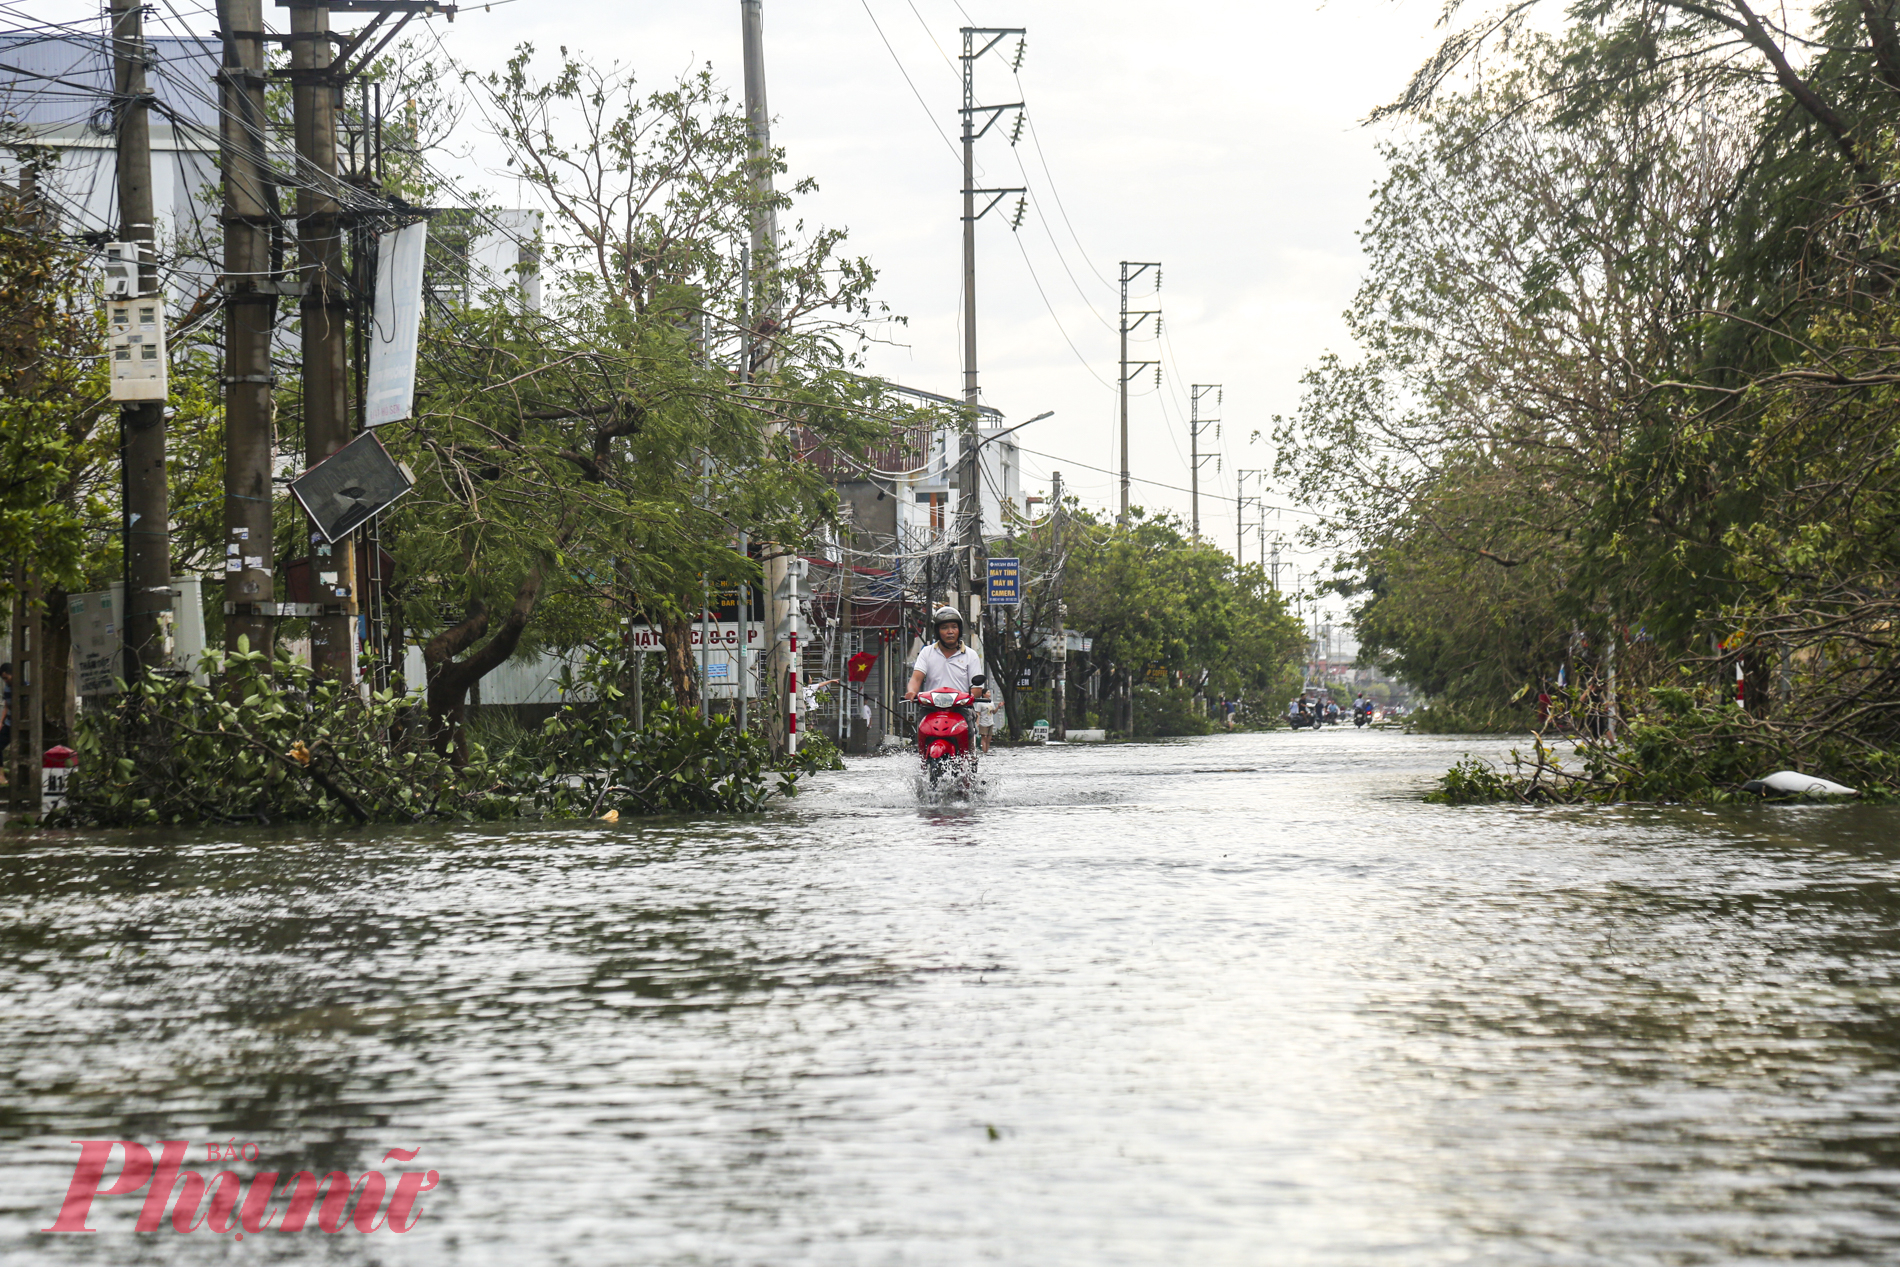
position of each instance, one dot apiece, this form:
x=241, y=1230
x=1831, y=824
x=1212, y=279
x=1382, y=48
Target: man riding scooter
x=947, y=664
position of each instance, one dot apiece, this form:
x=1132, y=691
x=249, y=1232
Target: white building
x=56, y=87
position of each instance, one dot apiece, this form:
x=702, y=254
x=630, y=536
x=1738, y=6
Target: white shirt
x=942, y=672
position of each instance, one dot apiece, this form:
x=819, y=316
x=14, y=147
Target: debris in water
x=1792, y=783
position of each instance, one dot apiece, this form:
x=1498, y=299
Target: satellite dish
x=352, y=484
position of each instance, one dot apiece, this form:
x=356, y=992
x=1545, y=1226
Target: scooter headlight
x=943, y=699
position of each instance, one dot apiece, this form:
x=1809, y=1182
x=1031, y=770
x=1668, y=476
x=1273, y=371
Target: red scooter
x=944, y=736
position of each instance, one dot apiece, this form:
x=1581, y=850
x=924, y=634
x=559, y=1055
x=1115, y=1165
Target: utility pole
x=325, y=310
x=761, y=361
x=1196, y=425
x=249, y=316
x=1130, y=368
x=26, y=712
x=146, y=501
x=969, y=489
x=1241, y=502
x=1060, y=652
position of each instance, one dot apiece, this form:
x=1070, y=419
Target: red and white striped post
x=791, y=700
x=1741, y=686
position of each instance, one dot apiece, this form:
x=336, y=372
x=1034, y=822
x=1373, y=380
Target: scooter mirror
x=977, y=680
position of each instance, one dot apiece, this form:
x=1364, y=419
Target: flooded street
x=1236, y=1000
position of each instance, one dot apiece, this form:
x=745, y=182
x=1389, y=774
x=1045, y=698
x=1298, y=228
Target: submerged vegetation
x=1628, y=404
x=273, y=742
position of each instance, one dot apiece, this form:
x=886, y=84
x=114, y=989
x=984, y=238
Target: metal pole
x=745, y=637
x=705, y=626
x=325, y=309
x=145, y=498
x=745, y=590
x=1061, y=649
x=249, y=316
x=761, y=362
x=706, y=622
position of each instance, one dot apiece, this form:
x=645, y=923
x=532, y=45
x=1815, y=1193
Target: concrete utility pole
x=969, y=481
x=1060, y=652
x=29, y=678
x=1197, y=425
x=777, y=708
x=249, y=316
x=147, y=505
x=1131, y=368
x=28, y=624
x=1241, y=502
x=325, y=310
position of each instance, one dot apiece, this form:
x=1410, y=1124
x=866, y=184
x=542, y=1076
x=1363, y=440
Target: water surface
x=1237, y=1000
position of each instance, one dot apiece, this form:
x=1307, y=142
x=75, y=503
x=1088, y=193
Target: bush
x=677, y=763
x=816, y=752
x=1163, y=712
x=266, y=742
x=273, y=742
x=1473, y=782
x=1675, y=744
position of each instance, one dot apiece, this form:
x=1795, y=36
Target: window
x=937, y=502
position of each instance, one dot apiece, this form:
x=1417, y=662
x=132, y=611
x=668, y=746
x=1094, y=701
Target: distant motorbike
x=945, y=743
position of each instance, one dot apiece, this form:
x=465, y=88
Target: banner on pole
x=391, y=393
x=1006, y=582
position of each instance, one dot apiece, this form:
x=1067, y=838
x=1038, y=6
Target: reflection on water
x=1234, y=1000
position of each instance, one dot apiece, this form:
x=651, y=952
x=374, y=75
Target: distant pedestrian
x=989, y=717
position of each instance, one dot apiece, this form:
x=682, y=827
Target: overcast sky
x=1220, y=138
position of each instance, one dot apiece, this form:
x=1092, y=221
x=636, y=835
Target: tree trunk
x=56, y=705
x=676, y=633
x=450, y=680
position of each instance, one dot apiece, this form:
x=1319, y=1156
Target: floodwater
x=1236, y=1000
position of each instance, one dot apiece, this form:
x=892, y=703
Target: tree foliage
x=1627, y=384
